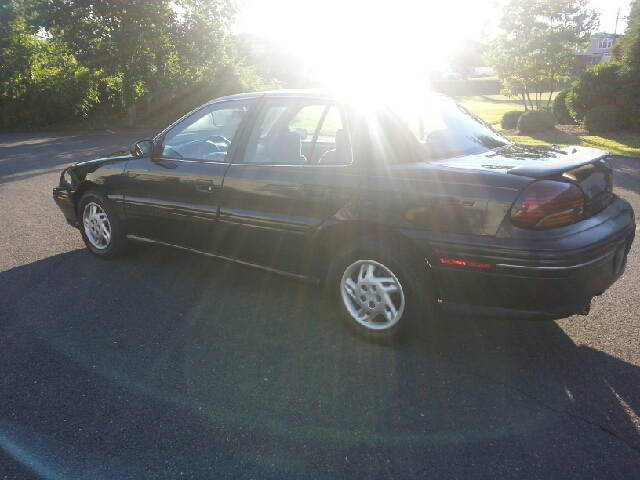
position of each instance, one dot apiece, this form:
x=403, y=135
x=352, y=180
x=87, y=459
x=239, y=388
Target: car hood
x=536, y=161
x=110, y=158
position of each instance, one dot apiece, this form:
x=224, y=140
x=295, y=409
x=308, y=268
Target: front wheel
x=100, y=225
x=380, y=290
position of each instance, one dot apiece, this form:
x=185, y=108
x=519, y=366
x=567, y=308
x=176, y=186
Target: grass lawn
x=491, y=108
x=616, y=144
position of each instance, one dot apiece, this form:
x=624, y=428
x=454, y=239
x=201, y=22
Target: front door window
x=207, y=134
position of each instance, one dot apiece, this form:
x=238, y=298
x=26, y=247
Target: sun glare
x=356, y=44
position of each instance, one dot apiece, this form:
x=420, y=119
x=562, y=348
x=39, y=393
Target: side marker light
x=464, y=263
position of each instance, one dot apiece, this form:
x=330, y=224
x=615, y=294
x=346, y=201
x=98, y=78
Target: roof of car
x=309, y=92
x=298, y=93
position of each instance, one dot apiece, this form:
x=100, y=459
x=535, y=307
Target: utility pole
x=615, y=31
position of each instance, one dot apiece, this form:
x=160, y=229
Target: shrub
x=510, y=119
x=560, y=110
x=603, y=118
x=600, y=85
x=536, y=121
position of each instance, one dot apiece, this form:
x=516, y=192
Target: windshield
x=445, y=129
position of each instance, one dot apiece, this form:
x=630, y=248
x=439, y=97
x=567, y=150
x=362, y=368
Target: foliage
x=599, y=85
x=68, y=58
x=510, y=119
x=490, y=109
x=534, y=49
x=560, y=109
x=151, y=48
x=603, y=119
x=627, y=50
x=614, y=84
x=536, y=121
x=40, y=81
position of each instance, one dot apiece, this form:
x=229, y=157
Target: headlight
x=65, y=178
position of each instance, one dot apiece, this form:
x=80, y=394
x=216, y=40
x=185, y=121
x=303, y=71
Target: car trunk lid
x=588, y=167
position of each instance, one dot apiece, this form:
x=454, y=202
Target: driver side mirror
x=142, y=149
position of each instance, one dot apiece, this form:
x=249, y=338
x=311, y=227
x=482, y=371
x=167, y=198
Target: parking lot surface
x=166, y=364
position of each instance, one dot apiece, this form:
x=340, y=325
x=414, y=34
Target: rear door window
x=299, y=132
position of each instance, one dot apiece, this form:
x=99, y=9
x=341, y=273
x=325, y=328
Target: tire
x=100, y=226
x=380, y=290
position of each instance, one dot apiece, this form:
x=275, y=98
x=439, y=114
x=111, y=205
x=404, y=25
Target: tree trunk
x=128, y=96
x=529, y=99
x=132, y=114
x=550, y=94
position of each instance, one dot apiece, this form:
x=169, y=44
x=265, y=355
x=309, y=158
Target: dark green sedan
x=401, y=212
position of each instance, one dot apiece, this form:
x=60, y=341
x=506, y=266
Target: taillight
x=548, y=204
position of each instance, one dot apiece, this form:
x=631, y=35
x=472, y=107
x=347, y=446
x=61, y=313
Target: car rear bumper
x=64, y=200
x=548, y=279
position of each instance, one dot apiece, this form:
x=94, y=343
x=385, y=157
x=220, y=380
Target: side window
x=207, y=134
x=298, y=132
x=390, y=142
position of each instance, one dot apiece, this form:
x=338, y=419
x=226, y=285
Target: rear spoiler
x=572, y=158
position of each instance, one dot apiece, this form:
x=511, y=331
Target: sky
x=353, y=40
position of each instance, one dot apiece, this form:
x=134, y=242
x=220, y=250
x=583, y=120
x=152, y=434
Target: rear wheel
x=100, y=225
x=380, y=290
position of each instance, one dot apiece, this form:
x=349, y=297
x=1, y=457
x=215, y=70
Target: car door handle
x=204, y=186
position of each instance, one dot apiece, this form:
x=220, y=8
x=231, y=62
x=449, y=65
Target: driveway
x=170, y=365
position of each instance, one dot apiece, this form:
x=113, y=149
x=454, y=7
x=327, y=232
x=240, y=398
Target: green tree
x=40, y=81
x=120, y=37
x=627, y=51
x=533, y=51
x=153, y=49
x=601, y=84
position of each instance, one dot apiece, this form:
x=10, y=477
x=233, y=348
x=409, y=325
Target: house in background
x=598, y=51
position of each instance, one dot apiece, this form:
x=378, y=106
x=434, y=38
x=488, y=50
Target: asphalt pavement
x=166, y=364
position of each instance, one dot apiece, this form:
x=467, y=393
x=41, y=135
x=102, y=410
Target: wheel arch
x=333, y=238
x=82, y=188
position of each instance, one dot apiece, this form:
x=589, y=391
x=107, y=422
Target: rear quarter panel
x=428, y=198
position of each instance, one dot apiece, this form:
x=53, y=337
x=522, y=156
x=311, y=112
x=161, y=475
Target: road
x=168, y=365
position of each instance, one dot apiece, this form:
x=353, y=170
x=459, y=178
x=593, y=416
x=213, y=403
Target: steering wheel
x=218, y=139
x=206, y=148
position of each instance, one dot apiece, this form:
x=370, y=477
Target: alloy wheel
x=372, y=295
x=96, y=226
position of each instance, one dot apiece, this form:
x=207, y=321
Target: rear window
x=444, y=129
